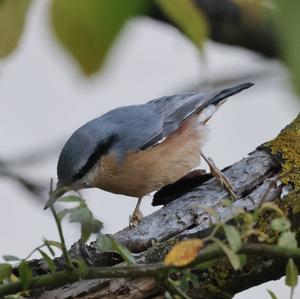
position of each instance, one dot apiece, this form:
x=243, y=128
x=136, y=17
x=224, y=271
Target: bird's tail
x=212, y=102
x=219, y=96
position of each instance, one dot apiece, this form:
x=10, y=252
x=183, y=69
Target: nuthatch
x=137, y=149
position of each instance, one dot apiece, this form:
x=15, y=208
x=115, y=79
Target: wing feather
x=178, y=108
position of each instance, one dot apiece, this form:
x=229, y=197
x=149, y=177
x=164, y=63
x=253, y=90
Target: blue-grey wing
x=174, y=110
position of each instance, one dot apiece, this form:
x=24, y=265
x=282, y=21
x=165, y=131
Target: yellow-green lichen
x=295, y=198
x=286, y=147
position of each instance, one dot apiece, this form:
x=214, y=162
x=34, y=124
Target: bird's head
x=82, y=152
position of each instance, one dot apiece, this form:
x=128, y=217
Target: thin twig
x=62, y=240
x=66, y=255
x=33, y=251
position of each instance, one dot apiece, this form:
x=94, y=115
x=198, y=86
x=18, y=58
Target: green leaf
x=243, y=259
x=233, y=237
x=287, y=13
x=88, y=28
x=188, y=17
x=232, y=256
x=291, y=274
x=205, y=265
x=25, y=274
x=54, y=244
x=5, y=270
x=124, y=252
x=11, y=258
x=174, y=287
x=287, y=240
x=80, y=214
x=48, y=261
x=71, y=198
x=45, y=241
x=12, y=20
x=271, y=293
x=280, y=224
x=184, y=283
x=89, y=225
x=50, y=249
x=104, y=243
x=63, y=213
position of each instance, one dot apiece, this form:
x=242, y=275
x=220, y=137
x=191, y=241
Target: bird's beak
x=49, y=202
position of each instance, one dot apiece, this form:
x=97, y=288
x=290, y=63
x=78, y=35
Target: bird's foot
x=135, y=218
x=224, y=181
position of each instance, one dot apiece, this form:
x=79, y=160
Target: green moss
x=263, y=225
x=286, y=148
x=157, y=252
x=221, y=272
x=295, y=198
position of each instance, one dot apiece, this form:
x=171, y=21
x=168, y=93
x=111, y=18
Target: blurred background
x=61, y=67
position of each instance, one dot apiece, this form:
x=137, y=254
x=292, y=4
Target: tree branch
x=207, y=254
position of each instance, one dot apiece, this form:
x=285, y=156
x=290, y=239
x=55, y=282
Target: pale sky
x=45, y=98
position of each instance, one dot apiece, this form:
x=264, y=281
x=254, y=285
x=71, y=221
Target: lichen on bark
x=286, y=148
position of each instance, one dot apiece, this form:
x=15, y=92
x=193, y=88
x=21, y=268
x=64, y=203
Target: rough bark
x=183, y=217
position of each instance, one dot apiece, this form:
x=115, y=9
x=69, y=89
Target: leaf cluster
x=18, y=269
x=87, y=29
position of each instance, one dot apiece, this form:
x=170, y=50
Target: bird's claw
x=135, y=218
x=224, y=181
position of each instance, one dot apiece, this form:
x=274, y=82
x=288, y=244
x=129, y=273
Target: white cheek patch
x=89, y=178
x=205, y=114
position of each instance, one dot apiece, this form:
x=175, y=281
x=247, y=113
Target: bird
x=135, y=150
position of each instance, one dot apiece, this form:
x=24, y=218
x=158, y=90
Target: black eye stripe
x=99, y=151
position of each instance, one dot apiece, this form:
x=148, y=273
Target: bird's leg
x=137, y=215
x=224, y=181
